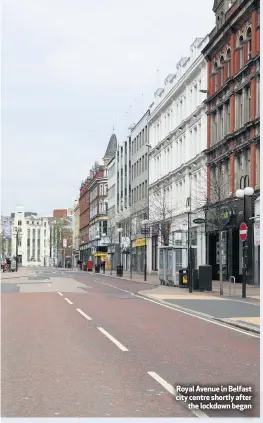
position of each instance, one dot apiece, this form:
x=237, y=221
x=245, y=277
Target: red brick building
x=84, y=218
x=233, y=113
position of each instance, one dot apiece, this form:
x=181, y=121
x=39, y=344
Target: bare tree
x=57, y=227
x=161, y=211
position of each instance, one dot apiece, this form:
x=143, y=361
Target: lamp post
x=145, y=224
x=243, y=192
x=119, y=230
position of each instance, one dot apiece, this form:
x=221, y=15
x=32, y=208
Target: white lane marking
x=49, y=284
x=184, y=312
x=59, y=293
x=119, y=345
x=66, y=299
x=172, y=391
x=83, y=314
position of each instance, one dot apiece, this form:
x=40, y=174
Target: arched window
x=249, y=43
x=222, y=64
x=228, y=58
x=241, y=51
x=216, y=75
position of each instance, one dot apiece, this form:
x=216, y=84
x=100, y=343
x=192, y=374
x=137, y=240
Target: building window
x=241, y=51
x=214, y=128
x=228, y=56
x=146, y=189
x=222, y=65
x=19, y=223
x=142, y=163
x=45, y=224
x=227, y=119
x=249, y=43
x=247, y=104
x=143, y=190
x=216, y=76
x=221, y=123
x=239, y=110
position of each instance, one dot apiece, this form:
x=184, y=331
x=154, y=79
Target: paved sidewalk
x=153, y=279
x=23, y=272
x=242, y=313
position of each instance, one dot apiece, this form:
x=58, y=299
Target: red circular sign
x=243, y=232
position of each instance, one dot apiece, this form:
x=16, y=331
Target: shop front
x=84, y=253
x=227, y=219
x=138, y=254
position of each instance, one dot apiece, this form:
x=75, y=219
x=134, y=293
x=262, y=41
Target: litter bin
x=205, y=278
x=195, y=280
x=97, y=268
x=89, y=265
x=183, y=278
x=85, y=267
x=119, y=270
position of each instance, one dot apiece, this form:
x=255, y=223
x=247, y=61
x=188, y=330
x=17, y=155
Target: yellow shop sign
x=140, y=242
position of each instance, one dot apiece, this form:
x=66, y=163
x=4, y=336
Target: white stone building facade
x=177, y=167
x=119, y=200
x=139, y=188
x=33, y=238
x=75, y=225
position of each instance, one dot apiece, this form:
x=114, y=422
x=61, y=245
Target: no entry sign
x=243, y=232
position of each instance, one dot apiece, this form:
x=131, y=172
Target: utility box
x=205, y=278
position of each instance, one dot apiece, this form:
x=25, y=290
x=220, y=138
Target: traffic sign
x=243, y=232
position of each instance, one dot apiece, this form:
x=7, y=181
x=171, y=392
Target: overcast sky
x=72, y=69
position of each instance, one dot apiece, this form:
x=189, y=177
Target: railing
x=232, y=278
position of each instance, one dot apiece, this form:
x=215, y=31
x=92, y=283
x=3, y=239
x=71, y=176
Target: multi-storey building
x=98, y=209
x=177, y=171
x=113, y=247
x=6, y=238
x=123, y=201
x=76, y=242
x=84, y=195
x=139, y=188
x=30, y=238
x=233, y=138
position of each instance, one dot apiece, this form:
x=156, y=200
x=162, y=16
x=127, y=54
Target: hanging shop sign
x=140, y=242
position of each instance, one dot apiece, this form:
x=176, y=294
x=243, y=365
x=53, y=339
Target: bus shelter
x=171, y=260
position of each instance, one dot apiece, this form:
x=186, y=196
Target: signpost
x=199, y=220
x=243, y=232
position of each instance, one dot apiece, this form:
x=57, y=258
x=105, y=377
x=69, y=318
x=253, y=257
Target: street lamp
x=145, y=224
x=119, y=230
x=243, y=192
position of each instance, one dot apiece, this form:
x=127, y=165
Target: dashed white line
x=172, y=391
x=59, y=293
x=49, y=284
x=83, y=314
x=112, y=339
x=66, y=299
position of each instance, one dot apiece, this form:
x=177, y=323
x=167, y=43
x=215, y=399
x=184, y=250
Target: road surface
x=85, y=345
